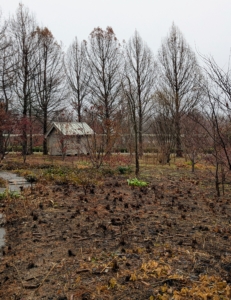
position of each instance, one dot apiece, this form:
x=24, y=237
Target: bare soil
x=169, y=240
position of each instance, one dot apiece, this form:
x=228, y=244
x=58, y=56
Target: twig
x=47, y=276
x=18, y=274
x=82, y=271
x=107, y=265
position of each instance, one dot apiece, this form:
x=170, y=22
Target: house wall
x=70, y=145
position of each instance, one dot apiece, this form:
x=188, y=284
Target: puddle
x=2, y=233
x=14, y=181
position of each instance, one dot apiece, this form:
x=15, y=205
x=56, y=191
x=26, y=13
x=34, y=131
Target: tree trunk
x=30, y=148
x=140, y=143
x=193, y=165
x=45, y=149
x=136, y=153
x=217, y=184
x=24, y=139
x=1, y=142
x=177, y=126
x=179, y=152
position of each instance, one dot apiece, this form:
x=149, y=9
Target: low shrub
x=37, y=149
x=137, y=182
x=124, y=170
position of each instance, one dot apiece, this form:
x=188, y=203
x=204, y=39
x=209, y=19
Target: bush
x=107, y=171
x=9, y=149
x=151, y=150
x=124, y=170
x=17, y=148
x=123, y=150
x=38, y=149
x=31, y=178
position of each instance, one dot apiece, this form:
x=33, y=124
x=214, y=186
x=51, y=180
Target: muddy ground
x=170, y=240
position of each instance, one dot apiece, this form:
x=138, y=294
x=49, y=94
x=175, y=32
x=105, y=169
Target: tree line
x=117, y=88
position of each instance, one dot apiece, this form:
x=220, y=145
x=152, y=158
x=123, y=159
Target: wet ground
x=15, y=182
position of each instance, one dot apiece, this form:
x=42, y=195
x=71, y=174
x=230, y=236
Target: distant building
x=68, y=138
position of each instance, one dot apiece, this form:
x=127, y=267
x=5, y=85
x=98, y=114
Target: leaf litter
x=167, y=240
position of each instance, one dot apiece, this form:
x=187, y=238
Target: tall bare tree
x=6, y=66
x=139, y=78
x=22, y=28
x=179, y=79
x=104, y=61
x=49, y=80
x=78, y=76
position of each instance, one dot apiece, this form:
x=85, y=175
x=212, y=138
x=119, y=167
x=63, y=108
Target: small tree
x=194, y=138
x=97, y=144
x=216, y=126
x=164, y=134
x=6, y=128
x=23, y=126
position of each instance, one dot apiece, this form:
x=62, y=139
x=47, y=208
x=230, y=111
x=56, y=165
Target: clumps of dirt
x=113, y=242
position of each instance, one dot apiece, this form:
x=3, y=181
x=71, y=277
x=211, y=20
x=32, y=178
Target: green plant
x=9, y=194
x=137, y=182
x=124, y=170
x=123, y=150
x=37, y=149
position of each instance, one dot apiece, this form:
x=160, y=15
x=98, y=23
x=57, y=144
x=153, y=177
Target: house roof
x=71, y=128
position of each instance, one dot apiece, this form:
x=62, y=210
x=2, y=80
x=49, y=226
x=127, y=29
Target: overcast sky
x=205, y=24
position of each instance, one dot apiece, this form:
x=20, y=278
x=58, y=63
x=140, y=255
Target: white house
x=68, y=138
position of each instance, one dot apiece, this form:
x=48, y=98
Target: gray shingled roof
x=72, y=128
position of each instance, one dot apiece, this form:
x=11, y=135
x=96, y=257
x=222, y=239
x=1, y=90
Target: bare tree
x=78, y=76
x=5, y=88
x=216, y=126
x=104, y=61
x=130, y=95
x=195, y=139
x=7, y=123
x=219, y=81
x=49, y=80
x=179, y=79
x=138, y=83
x=22, y=27
x=164, y=133
x=218, y=109
x=6, y=66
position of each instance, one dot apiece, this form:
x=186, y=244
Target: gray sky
x=205, y=24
